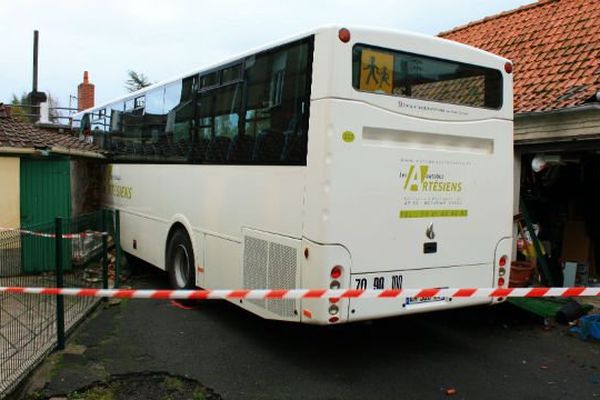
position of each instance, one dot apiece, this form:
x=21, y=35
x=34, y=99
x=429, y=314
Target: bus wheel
x=180, y=261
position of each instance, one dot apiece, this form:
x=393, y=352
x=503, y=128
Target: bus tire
x=180, y=261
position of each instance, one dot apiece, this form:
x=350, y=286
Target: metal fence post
x=117, y=238
x=60, y=305
x=104, y=251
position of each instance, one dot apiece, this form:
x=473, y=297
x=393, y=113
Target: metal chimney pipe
x=35, y=97
x=36, y=37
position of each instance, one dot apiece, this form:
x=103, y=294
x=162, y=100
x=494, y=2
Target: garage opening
x=561, y=193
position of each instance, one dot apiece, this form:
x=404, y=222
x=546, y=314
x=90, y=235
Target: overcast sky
x=168, y=37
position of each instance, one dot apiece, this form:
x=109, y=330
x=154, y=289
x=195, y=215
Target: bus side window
x=99, y=128
x=241, y=149
x=179, y=110
x=115, y=126
x=277, y=84
x=155, y=121
x=217, y=150
x=218, y=120
x=268, y=147
x=132, y=129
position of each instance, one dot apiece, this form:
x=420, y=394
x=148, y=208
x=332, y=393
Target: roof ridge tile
x=525, y=7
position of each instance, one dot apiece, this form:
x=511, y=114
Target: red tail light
x=502, y=261
x=336, y=272
x=344, y=35
x=501, y=281
x=508, y=67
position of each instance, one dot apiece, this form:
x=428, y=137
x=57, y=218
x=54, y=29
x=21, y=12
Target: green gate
x=45, y=195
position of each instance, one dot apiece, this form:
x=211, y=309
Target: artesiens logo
x=415, y=177
x=418, y=179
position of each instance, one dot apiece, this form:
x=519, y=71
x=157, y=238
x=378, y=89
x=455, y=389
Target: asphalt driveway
x=481, y=353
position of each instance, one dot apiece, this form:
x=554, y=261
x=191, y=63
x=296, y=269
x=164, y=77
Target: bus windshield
x=421, y=77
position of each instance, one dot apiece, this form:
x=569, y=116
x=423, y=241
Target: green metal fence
x=31, y=326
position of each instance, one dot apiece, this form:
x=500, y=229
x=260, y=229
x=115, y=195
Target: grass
x=56, y=362
x=96, y=393
x=198, y=395
x=173, y=384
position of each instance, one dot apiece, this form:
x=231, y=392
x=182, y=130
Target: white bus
x=350, y=158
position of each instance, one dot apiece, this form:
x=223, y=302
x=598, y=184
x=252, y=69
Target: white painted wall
x=10, y=209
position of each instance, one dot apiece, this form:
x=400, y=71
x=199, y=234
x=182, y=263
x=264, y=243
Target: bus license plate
x=420, y=300
x=377, y=281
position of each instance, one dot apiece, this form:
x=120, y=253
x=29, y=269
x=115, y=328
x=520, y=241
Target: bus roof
x=289, y=39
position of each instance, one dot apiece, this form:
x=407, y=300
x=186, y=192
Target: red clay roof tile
x=544, y=39
x=24, y=135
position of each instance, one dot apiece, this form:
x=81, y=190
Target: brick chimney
x=85, y=93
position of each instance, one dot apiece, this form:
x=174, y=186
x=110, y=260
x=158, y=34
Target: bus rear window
x=398, y=73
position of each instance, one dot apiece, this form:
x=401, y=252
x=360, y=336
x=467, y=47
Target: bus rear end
x=409, y=181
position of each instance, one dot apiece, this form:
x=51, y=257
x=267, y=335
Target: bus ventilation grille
x=270, y=265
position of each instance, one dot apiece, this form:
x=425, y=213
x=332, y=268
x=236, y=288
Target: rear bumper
x=469, y=276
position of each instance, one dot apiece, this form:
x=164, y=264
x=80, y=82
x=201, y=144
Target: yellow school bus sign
x=376, y=71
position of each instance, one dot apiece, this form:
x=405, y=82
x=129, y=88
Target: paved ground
x=482, y=353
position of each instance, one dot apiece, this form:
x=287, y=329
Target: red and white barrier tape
x=273, y=294
x=79, y=235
